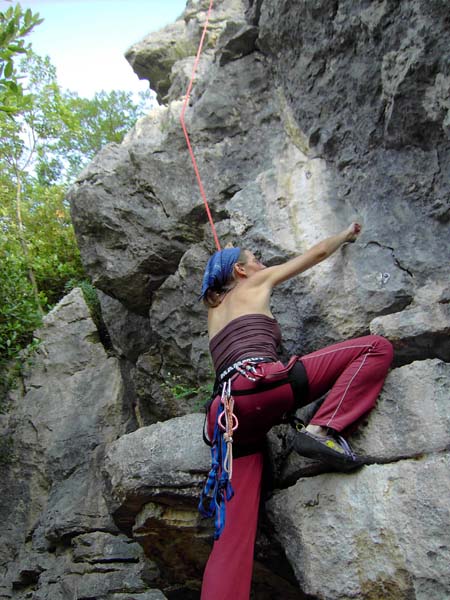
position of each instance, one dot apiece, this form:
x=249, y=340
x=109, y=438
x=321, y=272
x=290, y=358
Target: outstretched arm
x=279, y=273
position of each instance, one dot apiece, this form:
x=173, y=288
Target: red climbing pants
x=228, y=573
x=353, y=373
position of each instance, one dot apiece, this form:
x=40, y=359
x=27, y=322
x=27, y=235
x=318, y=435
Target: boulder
x=166, y=460
x=70, y=406
x=419, y=332
x=130, y=334
x=155, y=475
x=364, y=530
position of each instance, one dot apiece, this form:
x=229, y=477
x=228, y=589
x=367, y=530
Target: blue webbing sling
x=218, y=489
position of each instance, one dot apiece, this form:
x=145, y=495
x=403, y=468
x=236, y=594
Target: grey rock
x=101, y=547
x=103, y=583
x=155, y=475
x=78, y=582
x=71, y=404
x=68, y=342
x=131, y=260
x=329, y=63
x=154, y=57
x=179, y=359
x=171, y=533
x=130, y=333
x=149, y=595
x=302, y=119
x=411, y=417
x=410, y=420
x=362, y=530
x=181, y=73
x=419, y=332
x=236, y=41
x=314, y=175
x=85, y=574
x=27, y=569
x=165, y=460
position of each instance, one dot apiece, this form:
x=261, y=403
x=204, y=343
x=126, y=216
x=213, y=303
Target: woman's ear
x=239, y=270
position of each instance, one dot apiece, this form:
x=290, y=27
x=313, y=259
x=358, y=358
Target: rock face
x=55, y=522
x=363, y=531
x=304, y=116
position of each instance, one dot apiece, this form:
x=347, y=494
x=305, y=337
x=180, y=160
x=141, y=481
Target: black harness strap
x=299, y=383
x=297, y=378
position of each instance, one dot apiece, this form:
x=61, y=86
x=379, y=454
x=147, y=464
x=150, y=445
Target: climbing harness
x=186, y=135
x=218, y=489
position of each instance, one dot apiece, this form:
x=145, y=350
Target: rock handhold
x=417, y=333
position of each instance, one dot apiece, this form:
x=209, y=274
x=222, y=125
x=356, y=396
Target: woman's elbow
x=321, y=253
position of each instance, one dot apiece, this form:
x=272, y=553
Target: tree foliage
x=47, y=135
x=15, y=25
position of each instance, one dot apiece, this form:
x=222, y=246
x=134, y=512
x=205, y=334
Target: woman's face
x=253, y=263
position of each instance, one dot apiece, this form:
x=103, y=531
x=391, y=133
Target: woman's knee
x=383, y=347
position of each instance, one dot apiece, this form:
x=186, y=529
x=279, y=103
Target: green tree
x=15, y=25
x=47, y=135
x=90, y=124
x=43, y=146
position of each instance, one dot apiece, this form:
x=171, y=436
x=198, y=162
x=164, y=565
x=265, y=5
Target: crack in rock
x=392, y=250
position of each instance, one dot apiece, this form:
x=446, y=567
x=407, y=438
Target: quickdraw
x=250, y=371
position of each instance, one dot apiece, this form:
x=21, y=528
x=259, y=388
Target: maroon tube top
x=245, y=337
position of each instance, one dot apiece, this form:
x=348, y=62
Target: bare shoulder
x=242, y=300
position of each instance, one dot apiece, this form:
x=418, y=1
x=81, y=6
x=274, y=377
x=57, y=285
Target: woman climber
x=255, y=391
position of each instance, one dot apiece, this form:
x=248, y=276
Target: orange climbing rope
x=186, y=135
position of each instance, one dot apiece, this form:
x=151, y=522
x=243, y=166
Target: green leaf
x=12, y=85
x=9, y=109
x=8, y=69
x=28, y=16
x=11, y=28
x=17, y=48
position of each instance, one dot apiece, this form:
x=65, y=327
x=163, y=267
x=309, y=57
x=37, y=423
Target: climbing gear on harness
x=231, y=423
x=293, y=373
x=218, y=489
x=333, y=450
x=243, y=367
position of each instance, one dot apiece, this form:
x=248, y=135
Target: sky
x=86, y=39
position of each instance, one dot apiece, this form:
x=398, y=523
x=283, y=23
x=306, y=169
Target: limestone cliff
x=304, y=116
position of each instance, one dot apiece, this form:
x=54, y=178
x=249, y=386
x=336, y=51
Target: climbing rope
x=231, y=423
x=186, y=135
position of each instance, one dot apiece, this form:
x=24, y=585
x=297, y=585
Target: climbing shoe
x=332, y=450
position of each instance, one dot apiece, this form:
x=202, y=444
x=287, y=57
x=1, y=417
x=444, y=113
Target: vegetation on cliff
x=47, y=136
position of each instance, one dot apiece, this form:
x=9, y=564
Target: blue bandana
x=219, y=268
